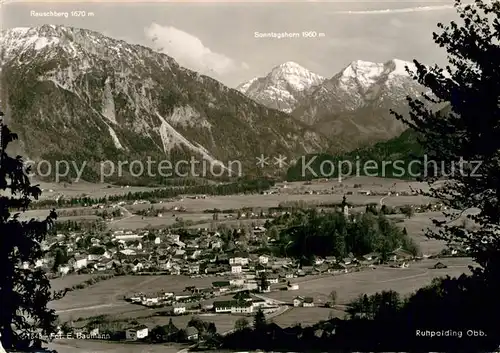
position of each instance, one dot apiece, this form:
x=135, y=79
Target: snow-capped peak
x=367, y=73
x=282, y=87
x=400, y=67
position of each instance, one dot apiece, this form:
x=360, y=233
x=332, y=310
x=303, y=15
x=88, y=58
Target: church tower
x=345, y=207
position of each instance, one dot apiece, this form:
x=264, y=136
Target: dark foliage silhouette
x=24, y=293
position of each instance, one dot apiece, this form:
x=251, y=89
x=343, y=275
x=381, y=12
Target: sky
x=218, y=38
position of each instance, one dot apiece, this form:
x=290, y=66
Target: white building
x=263, y=259
x=251, y=285
x=151, y=301
x=236, y=269
x=273, y=279
x=136, y=333
x=308, y=302
x=63, y=270
x=194, y=269
x=223, y=306
x=179, y=309
x=243, y=308
x=93, y=257
x=80, y=263
x=297, y=301
x=238, y=261
x=128, y=237
x=237, y=281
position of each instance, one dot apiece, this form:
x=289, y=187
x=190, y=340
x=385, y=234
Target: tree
x=464, y=139
x=241, y=324
x=259, y=320
x=274, y=233
x=158, y=334
x=60, y=258
x=97, y=250
x=198, y=324
x=211, y=329
x=24, y=293
x=263, y=282
x=333, y=298
x=407, y=210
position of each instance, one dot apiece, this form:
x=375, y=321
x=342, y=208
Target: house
x=242, y=307
x=136, y=333
x=297, y=301
x=150, y=301
x=80, y=262
x=400, y=255
x=93, y=257
x=251, y=285
x=137, y=266
x=337, y=268
x=192, y=333
x=167, y=265
x=174, y=237
x=223, y=306
x=157, y=240
x=128, y=252
x=221, y=285
x=196, y=254
x=371, y=256
x=308, y=302
x=194, y=269
x=263, y=259
x=179, y=309
x=273, y=279
x=257, y=303
x=319, y=261
x=322, y=268
x=216, y=244
x=128, y=237
x=347, y=261
x=236, y=269
x=238, y=261
x=237, y=282
x=64, y=269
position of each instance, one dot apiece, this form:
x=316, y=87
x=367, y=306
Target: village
x=169, y=262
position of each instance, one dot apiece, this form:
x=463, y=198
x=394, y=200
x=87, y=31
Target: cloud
x=189, y=51
x=403, y=10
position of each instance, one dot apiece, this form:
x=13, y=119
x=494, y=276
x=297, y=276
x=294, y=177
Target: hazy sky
x=217, y=38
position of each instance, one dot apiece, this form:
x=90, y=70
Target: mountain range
x=352, y=107
x=76, y=94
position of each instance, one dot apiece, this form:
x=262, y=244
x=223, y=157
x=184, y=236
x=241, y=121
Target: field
x=69, y=281
x=195, y=207
x=266, y=201
x=106, y=297
x=84, y=188
x=87, y=346
x=350, y=285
